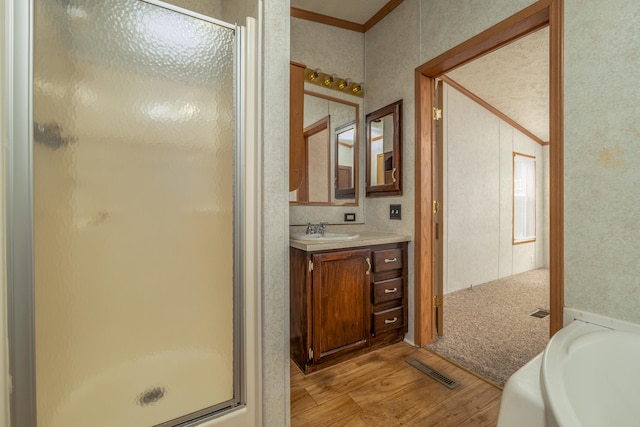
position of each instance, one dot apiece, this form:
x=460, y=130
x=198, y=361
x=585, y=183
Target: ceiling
x=513, y=79
x=358, y=11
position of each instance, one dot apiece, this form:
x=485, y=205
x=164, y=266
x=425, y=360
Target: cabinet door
x=341, y=305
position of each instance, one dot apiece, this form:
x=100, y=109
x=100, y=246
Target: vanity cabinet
x=389, y=308
x=346, y=302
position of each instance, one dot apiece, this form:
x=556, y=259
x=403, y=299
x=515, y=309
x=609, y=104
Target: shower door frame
x=18, y=162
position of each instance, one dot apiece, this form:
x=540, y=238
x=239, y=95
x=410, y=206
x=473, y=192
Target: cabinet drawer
x=388, y=319
x=390, y=259
x=388, y=290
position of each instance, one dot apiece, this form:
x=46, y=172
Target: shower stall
x=126, y=218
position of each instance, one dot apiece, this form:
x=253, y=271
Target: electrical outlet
x=350, y=217
x=395, y=211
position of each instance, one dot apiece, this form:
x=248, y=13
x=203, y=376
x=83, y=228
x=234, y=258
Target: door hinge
x=437, y=301
x=437, y=113
x=436, y=206
x=310, y=265
x=310, y=354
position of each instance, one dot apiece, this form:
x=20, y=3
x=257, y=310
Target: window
x=524, y=198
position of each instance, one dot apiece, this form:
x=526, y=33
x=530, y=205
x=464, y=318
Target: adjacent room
x=494, y=273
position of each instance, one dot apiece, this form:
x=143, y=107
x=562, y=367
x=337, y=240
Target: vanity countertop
x=365, y=238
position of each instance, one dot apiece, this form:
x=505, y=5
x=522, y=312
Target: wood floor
x=381, y=389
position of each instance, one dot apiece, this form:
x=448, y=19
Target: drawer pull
x=390, y=291
x=387, y=260
x=389, y=321
x=368, y=266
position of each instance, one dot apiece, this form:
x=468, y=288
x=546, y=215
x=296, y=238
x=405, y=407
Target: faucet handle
x=322, y=226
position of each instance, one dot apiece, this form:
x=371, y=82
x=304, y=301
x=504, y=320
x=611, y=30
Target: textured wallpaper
x=333, y=50
x=275, y=214
x=232, y=12
x=602, y=151
x=391, y=56
x=446, y=24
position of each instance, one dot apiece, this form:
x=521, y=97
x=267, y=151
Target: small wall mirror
x=384, y=151
x=330, y=174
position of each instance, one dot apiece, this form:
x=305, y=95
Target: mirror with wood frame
x=330, y=151
x=384, y=151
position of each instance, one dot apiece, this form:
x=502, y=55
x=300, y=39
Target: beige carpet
x=488, y=329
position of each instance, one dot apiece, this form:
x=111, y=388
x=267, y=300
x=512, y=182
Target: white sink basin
x=319, y=237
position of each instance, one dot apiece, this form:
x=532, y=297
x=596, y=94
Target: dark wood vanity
x=346, y=301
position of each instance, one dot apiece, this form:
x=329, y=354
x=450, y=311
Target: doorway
x=427, y=303
x=492, y=234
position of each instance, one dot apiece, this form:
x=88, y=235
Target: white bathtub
x=588, y=375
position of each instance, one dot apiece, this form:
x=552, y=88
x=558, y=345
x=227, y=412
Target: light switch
x=395, y=211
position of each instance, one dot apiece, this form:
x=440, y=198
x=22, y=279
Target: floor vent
x=426, y=369
x=539, y=313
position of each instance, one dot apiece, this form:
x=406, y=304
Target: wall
x=232, y=12
x=334, y=51
x=602, y=151
x=391, y=55
x=478, y=194
x=601, y=136
x=4, y=345
x=275, y=213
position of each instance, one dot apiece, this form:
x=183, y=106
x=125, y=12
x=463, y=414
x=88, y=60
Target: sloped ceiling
x=515, y=80
x=358, y=11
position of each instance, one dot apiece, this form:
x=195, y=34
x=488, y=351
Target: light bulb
x=314, y=75
x=344, y=84
x=329, y=80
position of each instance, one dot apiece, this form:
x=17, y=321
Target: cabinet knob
x=369, y=266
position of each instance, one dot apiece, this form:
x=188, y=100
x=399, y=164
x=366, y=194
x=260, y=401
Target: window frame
x=529, y=194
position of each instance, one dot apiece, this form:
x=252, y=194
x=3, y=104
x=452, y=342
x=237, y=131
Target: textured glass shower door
x=133, y=194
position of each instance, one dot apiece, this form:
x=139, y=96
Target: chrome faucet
x=316, y=228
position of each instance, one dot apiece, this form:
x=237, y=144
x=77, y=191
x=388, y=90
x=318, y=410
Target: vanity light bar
x=332, y=81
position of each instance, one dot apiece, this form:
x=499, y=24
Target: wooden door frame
x=536, y=16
